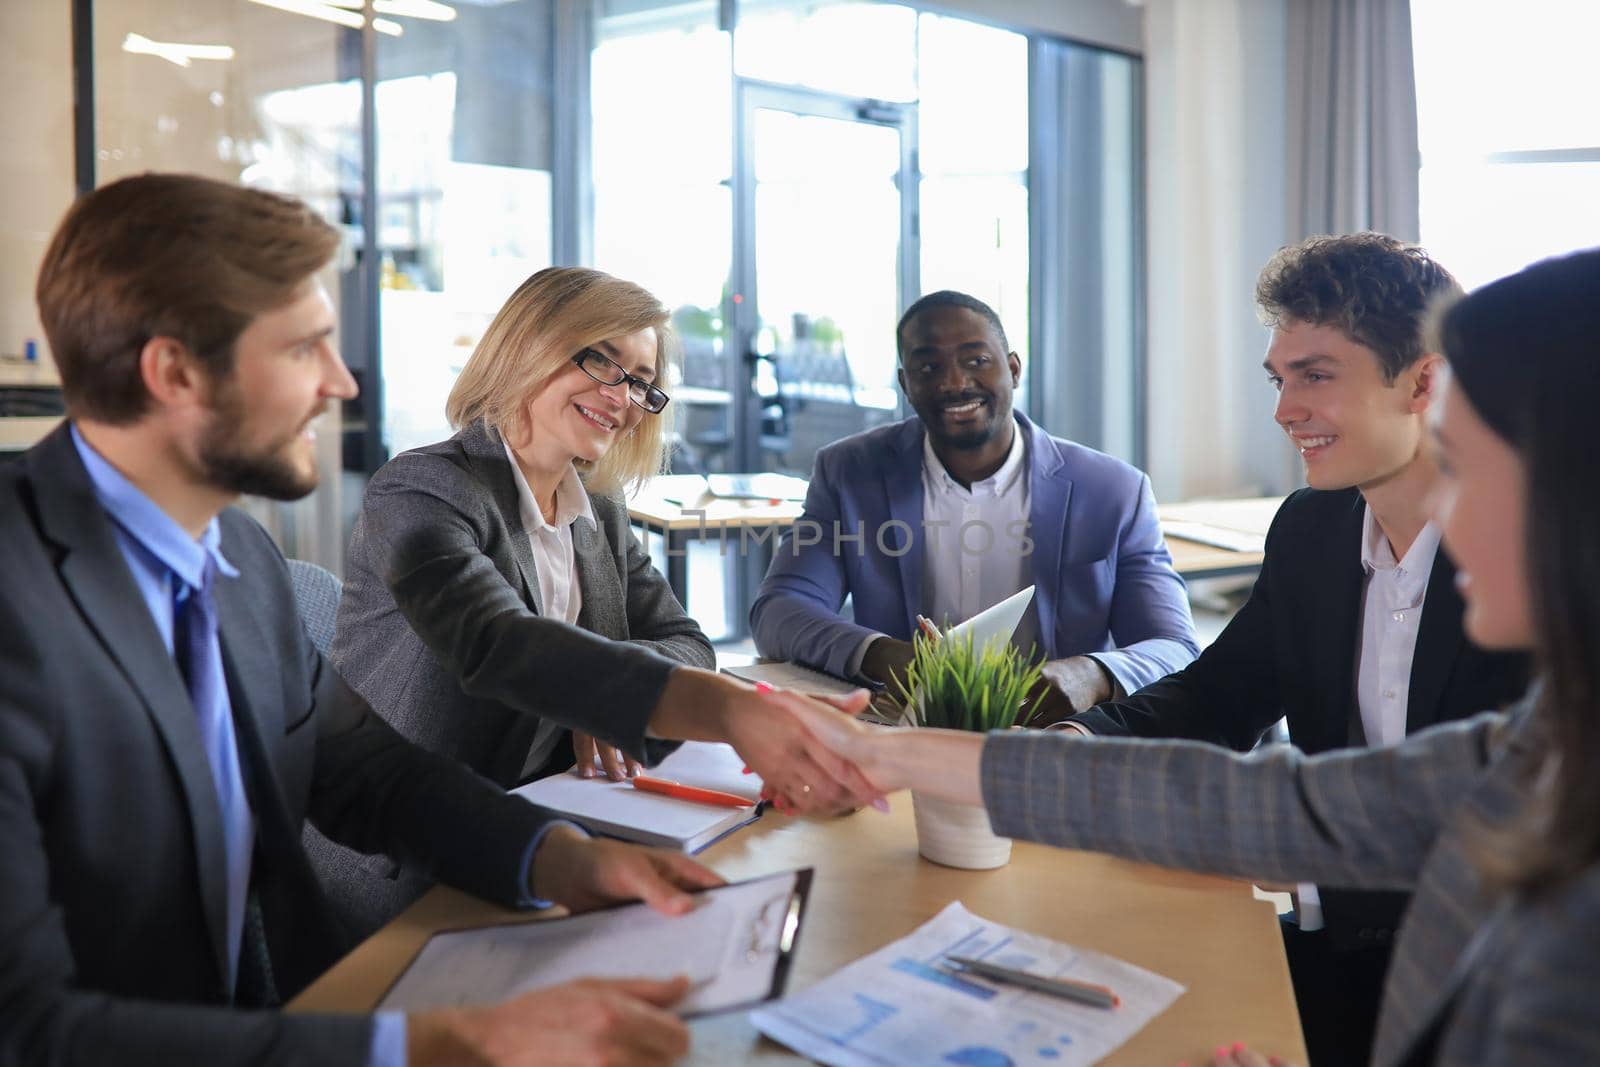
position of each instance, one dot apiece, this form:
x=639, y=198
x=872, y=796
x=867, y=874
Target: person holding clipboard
x=1494, y=821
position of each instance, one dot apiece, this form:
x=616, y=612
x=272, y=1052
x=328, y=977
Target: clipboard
x=737, y=947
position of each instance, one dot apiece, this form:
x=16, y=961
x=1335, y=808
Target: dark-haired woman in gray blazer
x=1494, y=822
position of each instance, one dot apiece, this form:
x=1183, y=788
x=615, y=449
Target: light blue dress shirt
x=165, y=563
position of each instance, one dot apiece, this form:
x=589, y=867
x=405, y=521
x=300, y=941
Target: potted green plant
x=952, y=684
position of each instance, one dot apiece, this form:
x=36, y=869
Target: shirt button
x=1388, y=694
x=1399, y=616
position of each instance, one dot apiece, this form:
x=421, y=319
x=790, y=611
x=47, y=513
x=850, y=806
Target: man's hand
x=885, y=662
x=616, y=763
x=1077, y=684
x=621, y=1022
x=590, y=872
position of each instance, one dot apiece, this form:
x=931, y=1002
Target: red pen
x=690, y=792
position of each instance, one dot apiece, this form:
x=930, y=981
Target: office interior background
x=787, y=175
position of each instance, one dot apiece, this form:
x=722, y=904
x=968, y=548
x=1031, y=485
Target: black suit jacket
x=111, y=882
x=1291, y=651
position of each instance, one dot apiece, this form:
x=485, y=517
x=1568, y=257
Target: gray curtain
x=1084, y=176
x=1352, y=118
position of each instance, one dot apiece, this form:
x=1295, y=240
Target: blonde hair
x=553, y=316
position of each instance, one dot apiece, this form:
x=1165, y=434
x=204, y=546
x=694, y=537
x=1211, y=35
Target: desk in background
x=672, y=506
x=872, y=888
x=1234, y=521
x=1218, y=538
x=30, y=403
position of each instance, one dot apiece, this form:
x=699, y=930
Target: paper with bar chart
x=905, y=1005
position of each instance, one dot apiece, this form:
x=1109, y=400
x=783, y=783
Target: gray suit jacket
x=440, y=630
x=111, y=877
x=1389, y=818
x=440, y=624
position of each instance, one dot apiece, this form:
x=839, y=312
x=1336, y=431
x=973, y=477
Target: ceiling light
x=315, y=10
x=411, y=9
x=334, y=11
x=173, y=52
x=416, y=9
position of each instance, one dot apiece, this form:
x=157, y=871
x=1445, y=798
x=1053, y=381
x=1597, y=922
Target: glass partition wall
x=245, y=92
x=787, y=175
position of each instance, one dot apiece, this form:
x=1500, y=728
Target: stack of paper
x=905, y=1005
x=617, y=809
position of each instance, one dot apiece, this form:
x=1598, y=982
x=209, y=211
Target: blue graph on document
x=873, y=1013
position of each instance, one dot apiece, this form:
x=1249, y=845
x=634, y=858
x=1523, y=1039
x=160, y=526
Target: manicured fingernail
x=1238, y=1046
x=746, y=771
x=881, y=804
x=1222, y=1052
x=764, y=687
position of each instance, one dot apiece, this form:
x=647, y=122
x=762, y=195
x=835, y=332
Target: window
x=1509, y=131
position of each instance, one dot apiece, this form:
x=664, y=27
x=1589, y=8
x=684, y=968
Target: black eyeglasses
x=606, y=372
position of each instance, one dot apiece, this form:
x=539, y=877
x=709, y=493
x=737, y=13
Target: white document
x=617, y=809
x=800, y=678
x=997, y=622
x=904, y=1005
x=735, y=947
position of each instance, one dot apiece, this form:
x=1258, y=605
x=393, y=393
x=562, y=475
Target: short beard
x=967, y=442
x=224, y=463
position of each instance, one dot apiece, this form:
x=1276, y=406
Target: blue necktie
x=199, y=654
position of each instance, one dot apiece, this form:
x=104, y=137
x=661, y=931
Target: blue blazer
x=1103, y=578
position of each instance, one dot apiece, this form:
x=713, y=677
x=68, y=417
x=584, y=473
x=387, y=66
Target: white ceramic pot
x=958, y=835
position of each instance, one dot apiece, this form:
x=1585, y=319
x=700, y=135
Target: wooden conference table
x=872, y=888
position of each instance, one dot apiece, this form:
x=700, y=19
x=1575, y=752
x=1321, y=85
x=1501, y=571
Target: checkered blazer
x=1390, y=818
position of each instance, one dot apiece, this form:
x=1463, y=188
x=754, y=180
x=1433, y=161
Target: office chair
x=316, y=596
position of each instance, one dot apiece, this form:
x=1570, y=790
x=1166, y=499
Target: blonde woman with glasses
x=497, y=607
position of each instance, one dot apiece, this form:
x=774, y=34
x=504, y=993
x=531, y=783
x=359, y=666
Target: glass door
x=825, y=257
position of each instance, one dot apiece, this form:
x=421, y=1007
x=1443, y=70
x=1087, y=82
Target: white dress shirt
x=556, y=570
x=972, y=543
x=972, y=557
x=1391, y=613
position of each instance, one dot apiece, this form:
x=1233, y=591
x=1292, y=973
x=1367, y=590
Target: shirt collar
x=151, y=528
x=1000, y=482
x=1412, y=572
x=572, y=500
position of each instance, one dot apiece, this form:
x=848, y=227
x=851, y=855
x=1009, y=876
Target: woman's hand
x=616, y=763
x=945, y=763
x=1237, y=1055
x=774, y=740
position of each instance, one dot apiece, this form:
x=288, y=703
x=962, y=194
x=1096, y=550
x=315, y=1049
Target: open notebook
x=617, y=809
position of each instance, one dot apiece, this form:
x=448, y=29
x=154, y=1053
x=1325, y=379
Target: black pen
x=1083, y=992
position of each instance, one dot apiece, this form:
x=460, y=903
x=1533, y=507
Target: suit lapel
x=1439, y=641
x=604, y=608
x=1338, y=580
x=902, y=485
x=1049, y=493
x=96, y=576
x=488, y=457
